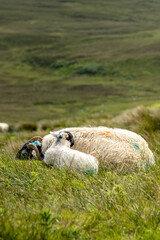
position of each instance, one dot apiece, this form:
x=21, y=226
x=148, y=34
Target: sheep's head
x=63, y=136
x=27, y=151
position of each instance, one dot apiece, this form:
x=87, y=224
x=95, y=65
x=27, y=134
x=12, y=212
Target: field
x=40, y=202
x=79, y=57
x=74, y=63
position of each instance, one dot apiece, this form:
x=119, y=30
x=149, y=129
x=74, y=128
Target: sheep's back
x=114, y=148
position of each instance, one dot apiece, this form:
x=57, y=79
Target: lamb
x=61, y=156
x=4, y=127
x=114, y=148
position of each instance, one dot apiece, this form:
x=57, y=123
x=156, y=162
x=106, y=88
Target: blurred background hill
x=77, y=58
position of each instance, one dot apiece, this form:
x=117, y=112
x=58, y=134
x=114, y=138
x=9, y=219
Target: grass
x=40, y=202
x=52, y=52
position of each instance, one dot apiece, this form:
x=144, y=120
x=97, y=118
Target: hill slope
x=58, y=57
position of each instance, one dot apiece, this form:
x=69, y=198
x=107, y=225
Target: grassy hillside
x=79, y=57
x=40, y=202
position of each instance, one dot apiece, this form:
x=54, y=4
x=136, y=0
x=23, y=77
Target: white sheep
x=4, y=127
x=114, y=148
x=61, y=156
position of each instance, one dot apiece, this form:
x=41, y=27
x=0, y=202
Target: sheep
x=114, y=148
x=31, y=150
x=4, y=127
x=61, y=156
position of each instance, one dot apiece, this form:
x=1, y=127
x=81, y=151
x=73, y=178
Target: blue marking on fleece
x=136, y=146
x=36, y=143
x=89, y=171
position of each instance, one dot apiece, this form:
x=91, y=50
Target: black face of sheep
x=59, y=136
x=26, y=152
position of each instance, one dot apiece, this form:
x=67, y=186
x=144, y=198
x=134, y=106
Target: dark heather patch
x=94, y=90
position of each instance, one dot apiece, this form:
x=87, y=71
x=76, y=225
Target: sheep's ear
x=66, y=135
x=54, y=134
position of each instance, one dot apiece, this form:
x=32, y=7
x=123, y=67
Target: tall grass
x=40, y=202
